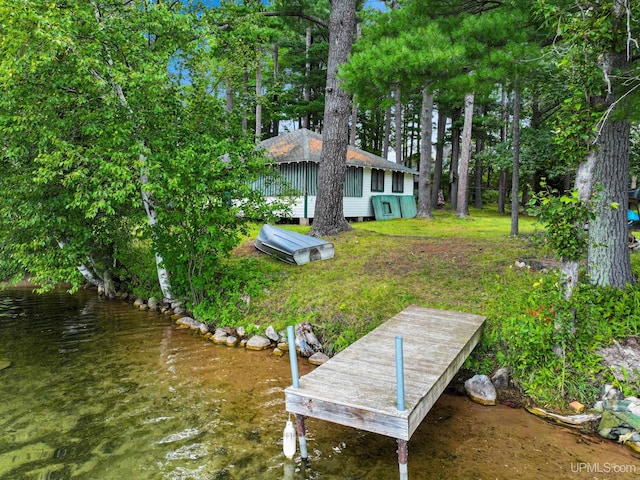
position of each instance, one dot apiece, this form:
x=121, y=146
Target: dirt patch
x=247, y=249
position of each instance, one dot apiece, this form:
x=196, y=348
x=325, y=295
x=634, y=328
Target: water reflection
x=100, y=390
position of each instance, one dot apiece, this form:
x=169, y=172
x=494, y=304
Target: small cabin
x=297, y=156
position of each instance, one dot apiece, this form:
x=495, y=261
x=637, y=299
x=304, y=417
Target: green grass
x=450, y=263
x=380, y=267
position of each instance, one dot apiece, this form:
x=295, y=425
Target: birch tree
x=111, y=124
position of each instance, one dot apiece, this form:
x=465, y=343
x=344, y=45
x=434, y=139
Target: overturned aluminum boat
x=292, y=247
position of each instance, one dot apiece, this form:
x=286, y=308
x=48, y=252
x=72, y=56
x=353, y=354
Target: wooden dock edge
x=398, y=424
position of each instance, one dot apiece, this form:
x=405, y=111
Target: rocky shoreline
x=613, y=417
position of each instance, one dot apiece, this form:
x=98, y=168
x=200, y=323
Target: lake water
x=99, y=390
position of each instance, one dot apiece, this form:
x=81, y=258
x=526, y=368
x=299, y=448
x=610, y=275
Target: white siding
x=355, y=206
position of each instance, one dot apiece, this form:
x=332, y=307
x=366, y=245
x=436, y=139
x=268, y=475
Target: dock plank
x=357, y=387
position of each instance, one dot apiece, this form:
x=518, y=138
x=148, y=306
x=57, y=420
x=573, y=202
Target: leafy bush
x=229, y=298
x=531, y=330
x=565, y=217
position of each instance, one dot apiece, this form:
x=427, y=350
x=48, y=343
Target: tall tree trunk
x=502, y=190
x=387, y=133
x=276, y=72
x=462, y=208
x=245, y=124
x=608, y=257
x=229, y=97
x=354, y=121
x=424, y=179
x=354, y=106
x=258, y=127
x=502, y=176
x=306, y=120
x=329, y=214
x=398, y=124
x=515, y=175
x=455, y=157
x=437, y=168
x=477, y=187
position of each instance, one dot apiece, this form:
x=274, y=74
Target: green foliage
x=520, y=334
x=565, y=217
x=236, y=284
x=574, y=128
x=102, y=101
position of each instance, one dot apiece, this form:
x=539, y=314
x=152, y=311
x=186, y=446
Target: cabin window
x=397, y=182
x=353, y=182
x=377, y=180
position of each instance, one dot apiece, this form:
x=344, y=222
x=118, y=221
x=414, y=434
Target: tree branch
x=304, y=16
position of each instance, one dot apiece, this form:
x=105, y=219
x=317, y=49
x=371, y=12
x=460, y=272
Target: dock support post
x=302, y=437
x=400, y=375
x=403, y=459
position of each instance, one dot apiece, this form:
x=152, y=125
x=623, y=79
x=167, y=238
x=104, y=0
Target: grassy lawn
x=466, y=265
x=381, y=267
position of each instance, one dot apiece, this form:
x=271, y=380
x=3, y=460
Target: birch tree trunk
x=462, y=207
x=147, y=201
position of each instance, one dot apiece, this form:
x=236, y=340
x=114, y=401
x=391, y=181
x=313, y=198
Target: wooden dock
x=358, y=386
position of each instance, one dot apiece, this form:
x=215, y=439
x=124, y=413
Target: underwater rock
x=152, y=303
x=220, y=337
x=258, y=342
